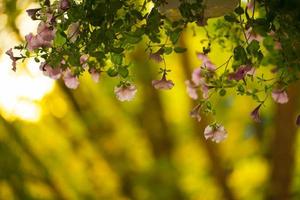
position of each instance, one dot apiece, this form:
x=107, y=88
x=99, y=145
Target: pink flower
x=125, y=92
x=156, y=56
x=195, y=113
x=73, y=31
x=240, y=73
x=163, y=83
x=253, y=36
x=33, y=42
x=191, y=89
x=216, y=133
x=280, y=96
x=255, y=114
x=71, y=81
x=64, y=5
x=206, y=62
x=277, y=45
x=197, y=77
x=13, y=58
x=84, y=58
x=95, y=75
x=205, y=91
x=43, y=39
x=54, y=73
x=250, y=5
x=46, y=32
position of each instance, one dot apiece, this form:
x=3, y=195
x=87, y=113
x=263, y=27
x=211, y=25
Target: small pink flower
x=95, y=75
x=46, y=32
x=64, y=5
x=156, y=56
x=255, y=114
x=253, y=36
x=71, y=81
x=250, y=5
x=240, y=73
x=33, y=42
x=125, y=92
x=84, y=58
x=277, y=45
x=216, y=133
x=54, y=73
x=191, y=89
x=280, y=96
x=197, y=77
x=205, y=91
x=206, y=62
x=195, y=113
x=13, y=58
x=73, y=31
x=163, y=83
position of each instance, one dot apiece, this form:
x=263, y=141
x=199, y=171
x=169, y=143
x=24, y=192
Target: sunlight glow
x=21, y=91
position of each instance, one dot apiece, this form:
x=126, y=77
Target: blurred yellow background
x=57, y=143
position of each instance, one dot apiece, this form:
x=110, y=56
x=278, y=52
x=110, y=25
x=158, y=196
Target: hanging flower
x=240, y=73
x=197, y=77
x=195, y=113
x=95, y=75
x=280, y=96
x=71, y=81
x=157, y=56
x=64, y=5
x=205, y=91
x=251, y=35
x=163, y=83
x=54, y=73
x=13, y=58
x=46, y=32
x=215, y=132
x=125, y=92
x=73, y=31
x=255, y=114
x=206, y=62
x=191, y=89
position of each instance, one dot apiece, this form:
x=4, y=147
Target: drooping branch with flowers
x=94, y=36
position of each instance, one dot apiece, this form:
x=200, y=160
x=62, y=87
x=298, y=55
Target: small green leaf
x=180, y=49
x=239, y=10
x=112, y=72
x=123, y=71
x=116, y=58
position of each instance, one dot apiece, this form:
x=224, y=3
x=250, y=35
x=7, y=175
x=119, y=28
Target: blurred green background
x=57, y=143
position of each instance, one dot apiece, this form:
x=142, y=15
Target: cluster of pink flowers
x=199, y=77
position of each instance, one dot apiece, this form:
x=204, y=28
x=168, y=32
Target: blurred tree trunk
x=152, y=119
x=212, y=151
x=283, y=147
x=15, y=134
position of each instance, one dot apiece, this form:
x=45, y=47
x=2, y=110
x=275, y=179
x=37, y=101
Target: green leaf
x=123, y=71
x=240, y=54
x=112, y=72
x=231, y=18
x=174, y=35
x=180, y=49
x=116, y=58
x=253, y=47
x=59, y=40
x=168, y=50
x=239, y=10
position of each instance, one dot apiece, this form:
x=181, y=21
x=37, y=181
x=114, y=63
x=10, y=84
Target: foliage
x=96, y=35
